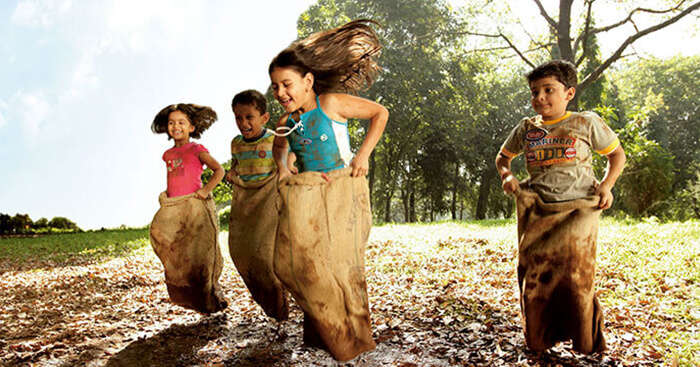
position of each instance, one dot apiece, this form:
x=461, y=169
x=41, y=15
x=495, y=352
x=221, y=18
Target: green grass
x=75, y=246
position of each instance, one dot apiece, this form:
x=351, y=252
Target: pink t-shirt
x=184, y=169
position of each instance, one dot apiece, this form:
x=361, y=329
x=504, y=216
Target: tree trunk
x=453, y=207
x=487, y=177
x=412, y=204
x=387, y=207
x=564, y=31
x=404, y=200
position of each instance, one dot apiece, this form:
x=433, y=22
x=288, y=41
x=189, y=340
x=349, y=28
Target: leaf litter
x=440, y=295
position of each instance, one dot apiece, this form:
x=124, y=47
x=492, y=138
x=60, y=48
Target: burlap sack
x=324, y=226
x=184, y=235
x=556, y=267
x=251, y=242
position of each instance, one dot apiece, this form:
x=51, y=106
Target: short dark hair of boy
x=201, y=117
x=250, y=97
x=562, y=70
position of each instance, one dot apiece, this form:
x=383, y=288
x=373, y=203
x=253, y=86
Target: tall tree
x=573, y=46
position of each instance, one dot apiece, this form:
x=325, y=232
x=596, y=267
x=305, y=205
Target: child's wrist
x=507, y=175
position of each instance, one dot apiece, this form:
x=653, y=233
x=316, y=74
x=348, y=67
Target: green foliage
x=62, y=223
x=647, y=179
x=22, y=224
x=224, y=217
x=222, y=191
x=669, y=114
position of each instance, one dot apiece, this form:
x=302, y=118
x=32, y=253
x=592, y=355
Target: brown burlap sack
x=324, y=226
x=556, y=267
x=184, y=235
x=251, y=242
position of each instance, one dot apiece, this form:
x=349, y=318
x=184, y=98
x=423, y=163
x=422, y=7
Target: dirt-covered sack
x=251, y=242
x=184, y=234
x=556, y=267
x=320, y=257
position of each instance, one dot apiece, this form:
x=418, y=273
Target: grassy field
x=440, y=294
x=71, y=247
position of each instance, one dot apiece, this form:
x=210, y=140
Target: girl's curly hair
x=201, y=117
x=340, y=59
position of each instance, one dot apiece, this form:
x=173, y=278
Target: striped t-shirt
x=253, y=160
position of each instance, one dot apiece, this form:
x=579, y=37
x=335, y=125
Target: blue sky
x=81, y=81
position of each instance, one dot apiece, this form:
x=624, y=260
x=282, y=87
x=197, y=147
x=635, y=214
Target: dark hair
x=201, y=117
x=562, y=70
x=250, y=97
x=340, y=59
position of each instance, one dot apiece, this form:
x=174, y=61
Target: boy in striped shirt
x=251, y=151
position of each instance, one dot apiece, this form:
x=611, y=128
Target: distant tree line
x=23, y=224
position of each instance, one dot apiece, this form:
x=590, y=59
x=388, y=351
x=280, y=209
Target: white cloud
x=3, y=108
x=84, y=77
x=42, y=13
x=33, y=111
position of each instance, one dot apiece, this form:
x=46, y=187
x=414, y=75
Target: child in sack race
x=255, y=203
x=184, y=231
x=558, y=208
x=325, y=217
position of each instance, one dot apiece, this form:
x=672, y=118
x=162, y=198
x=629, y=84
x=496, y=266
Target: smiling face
x=179, y=127
x=550, y=97
x=249, y=120
x=293, y=90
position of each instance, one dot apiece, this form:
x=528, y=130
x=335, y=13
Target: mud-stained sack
x=184, y=234
x=320, y=257
x=251, y=242
x=556, y=267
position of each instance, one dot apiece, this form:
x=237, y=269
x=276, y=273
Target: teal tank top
x=321, y=144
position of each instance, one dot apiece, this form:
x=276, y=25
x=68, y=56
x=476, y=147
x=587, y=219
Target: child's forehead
x=545, y=81
x=178, y=115
x=246, y=108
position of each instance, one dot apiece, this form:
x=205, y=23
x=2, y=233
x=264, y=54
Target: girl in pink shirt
x=185, y=160
x=184, y=231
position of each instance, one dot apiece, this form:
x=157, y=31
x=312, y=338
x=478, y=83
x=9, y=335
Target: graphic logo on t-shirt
x=549, y=150
x=535, y=134
x=174, y=167
x=262, y=154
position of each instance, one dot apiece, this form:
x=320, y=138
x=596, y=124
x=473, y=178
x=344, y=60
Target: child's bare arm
x=212, y=164
x=279, y=150
x=232, y=172
x=291, y=158
x=345, y=106
x=508, y=181
x=616, y=162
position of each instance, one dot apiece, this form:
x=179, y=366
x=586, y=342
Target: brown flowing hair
x=341, y=59
x=201, y=117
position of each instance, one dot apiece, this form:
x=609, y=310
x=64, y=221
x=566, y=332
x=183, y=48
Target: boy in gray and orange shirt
x=558, y=144
x=558, y=209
